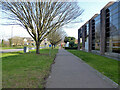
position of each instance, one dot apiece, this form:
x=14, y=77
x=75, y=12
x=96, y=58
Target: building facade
x=102, y=32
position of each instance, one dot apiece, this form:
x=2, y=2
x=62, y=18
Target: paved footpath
x=71, y=72
x=10, y=50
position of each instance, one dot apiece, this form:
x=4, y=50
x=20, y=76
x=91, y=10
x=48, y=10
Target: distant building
x=16, y=41
x=20, y=41
x=76, y=41
x=29, y=41
x=45, y=43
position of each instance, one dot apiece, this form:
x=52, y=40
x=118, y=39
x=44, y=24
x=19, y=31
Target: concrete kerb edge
x=108, y=80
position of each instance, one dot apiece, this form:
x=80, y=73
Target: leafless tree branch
x=41, y=18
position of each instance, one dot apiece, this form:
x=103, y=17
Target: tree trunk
x=52, y=46
x=37, y=47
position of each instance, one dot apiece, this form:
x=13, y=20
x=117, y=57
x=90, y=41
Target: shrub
x=71, y=48
x=71, y=44
x=75, y=45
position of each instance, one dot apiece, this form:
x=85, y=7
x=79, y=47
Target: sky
x=90, y=7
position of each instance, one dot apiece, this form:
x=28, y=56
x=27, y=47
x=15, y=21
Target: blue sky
x=90, y=8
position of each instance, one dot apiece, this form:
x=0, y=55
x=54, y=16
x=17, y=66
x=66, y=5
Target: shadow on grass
x=26, y=70
x=12, y=54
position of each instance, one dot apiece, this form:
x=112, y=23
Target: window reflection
x=113, y=41
x=97, y=33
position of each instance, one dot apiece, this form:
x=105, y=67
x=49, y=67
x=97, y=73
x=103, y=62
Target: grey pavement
x=15, y=50
x=71, y=72
x=10, y=50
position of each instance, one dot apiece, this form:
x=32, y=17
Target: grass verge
x=107, y=66
x=26, y=70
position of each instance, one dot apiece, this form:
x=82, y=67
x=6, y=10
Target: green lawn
x=107, y=66
x=26, y=70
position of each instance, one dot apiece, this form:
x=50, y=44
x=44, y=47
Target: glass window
x=114, y=28
x=118, y=23
x=115, y=21
x=115, y=5
x=118, y=14
x=115, y=16
x=97, y=33
x=114, y=11
x=113, y=41
x=119, y=5
x=87, y=29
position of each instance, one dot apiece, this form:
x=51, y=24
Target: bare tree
x=16, y=41
x=56, y=36
x=40, y=18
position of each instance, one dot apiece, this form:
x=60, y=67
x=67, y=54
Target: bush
x=71, y=44
x=75, y=48
x=75, y=45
